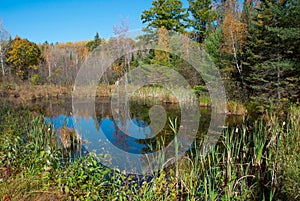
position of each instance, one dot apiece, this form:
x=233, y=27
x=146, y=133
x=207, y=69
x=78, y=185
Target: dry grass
x=26, y=92
x=235, y=108
x=69, y=137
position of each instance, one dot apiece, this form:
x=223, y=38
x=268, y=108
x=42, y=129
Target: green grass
x=256, y=161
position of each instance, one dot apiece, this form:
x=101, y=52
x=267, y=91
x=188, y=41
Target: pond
x=105, y=135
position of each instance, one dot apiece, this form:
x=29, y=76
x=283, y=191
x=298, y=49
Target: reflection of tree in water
x=139, y=113
x=103, y=110
x=165, y=136
x=121, y=138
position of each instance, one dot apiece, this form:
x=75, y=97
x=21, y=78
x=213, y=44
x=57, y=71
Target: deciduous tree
x=234, y=34
x=24, y=56
x=4, y=41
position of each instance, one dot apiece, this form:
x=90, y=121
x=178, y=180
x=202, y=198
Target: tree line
x=254, y=44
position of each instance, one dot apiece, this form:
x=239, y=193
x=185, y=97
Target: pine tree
x=203, y=17
x=91, y=45
x=162, y=57
x=166, y=13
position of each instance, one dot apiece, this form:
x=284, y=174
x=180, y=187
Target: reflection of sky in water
x=104, y=135
x=60, y=121
x=99, y=133
x=120, y=139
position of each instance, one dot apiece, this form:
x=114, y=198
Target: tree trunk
x=2, y=62
x=235, y=58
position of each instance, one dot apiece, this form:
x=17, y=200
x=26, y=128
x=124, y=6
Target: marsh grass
x=256, y=161
x=164, y=95
x=259, y=161
x=236, y=108
x=24, y=92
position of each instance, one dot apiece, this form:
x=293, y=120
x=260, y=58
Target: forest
x=254, y=45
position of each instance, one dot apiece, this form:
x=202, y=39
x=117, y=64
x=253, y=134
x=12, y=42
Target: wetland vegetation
x=252, y=160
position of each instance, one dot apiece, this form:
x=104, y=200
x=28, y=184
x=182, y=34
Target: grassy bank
x=25, y=92
x=258, y=161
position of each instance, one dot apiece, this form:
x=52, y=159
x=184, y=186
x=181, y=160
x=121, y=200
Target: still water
x=103, y=134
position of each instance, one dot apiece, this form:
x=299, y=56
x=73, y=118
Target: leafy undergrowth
x=253, y=162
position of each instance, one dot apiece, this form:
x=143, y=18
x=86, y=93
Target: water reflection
x=103, y=135
x=92, y=129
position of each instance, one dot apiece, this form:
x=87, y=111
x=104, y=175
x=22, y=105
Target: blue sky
x=69, y=20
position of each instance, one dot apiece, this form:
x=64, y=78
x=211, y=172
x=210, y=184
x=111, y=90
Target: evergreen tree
x=213, y=44
x=203, y=17
x=162, y=57
x=167, y=13
x=91, y=45
x=272, y=51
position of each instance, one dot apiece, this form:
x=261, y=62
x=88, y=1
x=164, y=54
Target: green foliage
x=271, y=61
x=84, y=179
x=91, y=45
x=287, y=155
x=167, y=13
x=231, y=78
x=162, y=57
x=28, y=151
x=35, y=79
x=265, y=64
x=250, y=162
x=203, y=17
x=24, y=56
x=213, y=44
x=201, y=90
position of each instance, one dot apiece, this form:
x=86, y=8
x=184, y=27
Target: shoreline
x=26, y=93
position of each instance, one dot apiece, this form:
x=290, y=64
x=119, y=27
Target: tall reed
x=255, y=161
